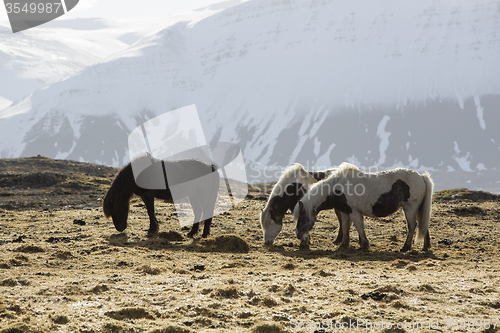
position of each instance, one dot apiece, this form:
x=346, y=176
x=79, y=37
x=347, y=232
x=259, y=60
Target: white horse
x=375, y=194
x=292, y=185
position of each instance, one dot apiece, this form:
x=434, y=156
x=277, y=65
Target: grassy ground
x=63, y=266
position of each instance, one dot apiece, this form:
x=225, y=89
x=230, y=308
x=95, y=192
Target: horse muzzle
x=119, y=226
x=303, y=236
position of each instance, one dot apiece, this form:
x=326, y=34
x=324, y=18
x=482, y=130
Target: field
x=63, y=266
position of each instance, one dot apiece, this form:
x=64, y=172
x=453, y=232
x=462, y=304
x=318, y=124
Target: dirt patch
x=230, y=292
x=465, y=194
x=469, y=211
x=130, y=313
x=150, y=270
x=171, y=329
x=171, y=236
x=30, y=249
x=225, y=243
x=268, y=328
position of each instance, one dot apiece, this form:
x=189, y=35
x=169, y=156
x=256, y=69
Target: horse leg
x=340, y=233
x=411, y=222
x=206, y=228
x=358, y=220
x=346, y=227
x=149, y=201
x=209, y=204
x=427, y=241
x=197, y=215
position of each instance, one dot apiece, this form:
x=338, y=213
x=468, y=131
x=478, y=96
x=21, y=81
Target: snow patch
x=413, y=162
x=317, y=146
x=22, y=107
x=354, y=160
x=479, y=110
x=462, y=161
x=384, y=138
x=4, y=102
x=324, y=162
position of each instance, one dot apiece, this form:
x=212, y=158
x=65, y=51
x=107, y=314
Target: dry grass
x=59, y=276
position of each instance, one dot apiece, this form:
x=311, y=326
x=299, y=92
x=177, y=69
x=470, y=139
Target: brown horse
x=116, y=202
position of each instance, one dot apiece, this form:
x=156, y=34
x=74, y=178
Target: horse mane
x=296, y=172
x=346, y=167
x=320, y=190
x=120, y=191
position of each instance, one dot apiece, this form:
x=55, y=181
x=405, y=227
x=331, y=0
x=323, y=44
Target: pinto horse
x=290, y=188
x=375, y=194
x=116, y=202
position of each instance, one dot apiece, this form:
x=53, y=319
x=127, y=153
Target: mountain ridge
x=314, y=83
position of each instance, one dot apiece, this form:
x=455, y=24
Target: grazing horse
x=290, y=188
x=117, y=200
x=375, y=194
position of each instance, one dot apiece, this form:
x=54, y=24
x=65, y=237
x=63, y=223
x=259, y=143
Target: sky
x=126, y=9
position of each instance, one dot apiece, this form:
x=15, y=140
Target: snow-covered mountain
x=317, y=82
x=35, y=58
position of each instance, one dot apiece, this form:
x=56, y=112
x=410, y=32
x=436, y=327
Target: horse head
x=118, y=211
x=271, y=224
x=305, y=221
x=120, y=219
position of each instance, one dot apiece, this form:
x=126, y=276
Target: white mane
x=295, y=173
x=319, y=191
x=346, y=167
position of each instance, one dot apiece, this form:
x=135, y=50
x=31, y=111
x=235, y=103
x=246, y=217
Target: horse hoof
x=344, y=246
x=364, y=249
x=304, y=245
x=204, y=236
x=151, y=233
x=190, y=235
x=404, y=249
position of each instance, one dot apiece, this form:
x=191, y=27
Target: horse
x=290, y=188
x=375, y=194
x=116, y=202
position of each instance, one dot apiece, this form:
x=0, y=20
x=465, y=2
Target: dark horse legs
x=198, y=211
x=153, y=222
x=206, y=228
x=149, y=201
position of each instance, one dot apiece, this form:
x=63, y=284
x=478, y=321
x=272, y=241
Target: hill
x=34, y=183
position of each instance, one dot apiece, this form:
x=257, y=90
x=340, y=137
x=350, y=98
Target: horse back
x=174, y=173
x=382, y=194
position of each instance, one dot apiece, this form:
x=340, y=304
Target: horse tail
x=425, y=209
x=216, y=181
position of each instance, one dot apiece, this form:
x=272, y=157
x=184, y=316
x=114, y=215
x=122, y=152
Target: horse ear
x=301, y=205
